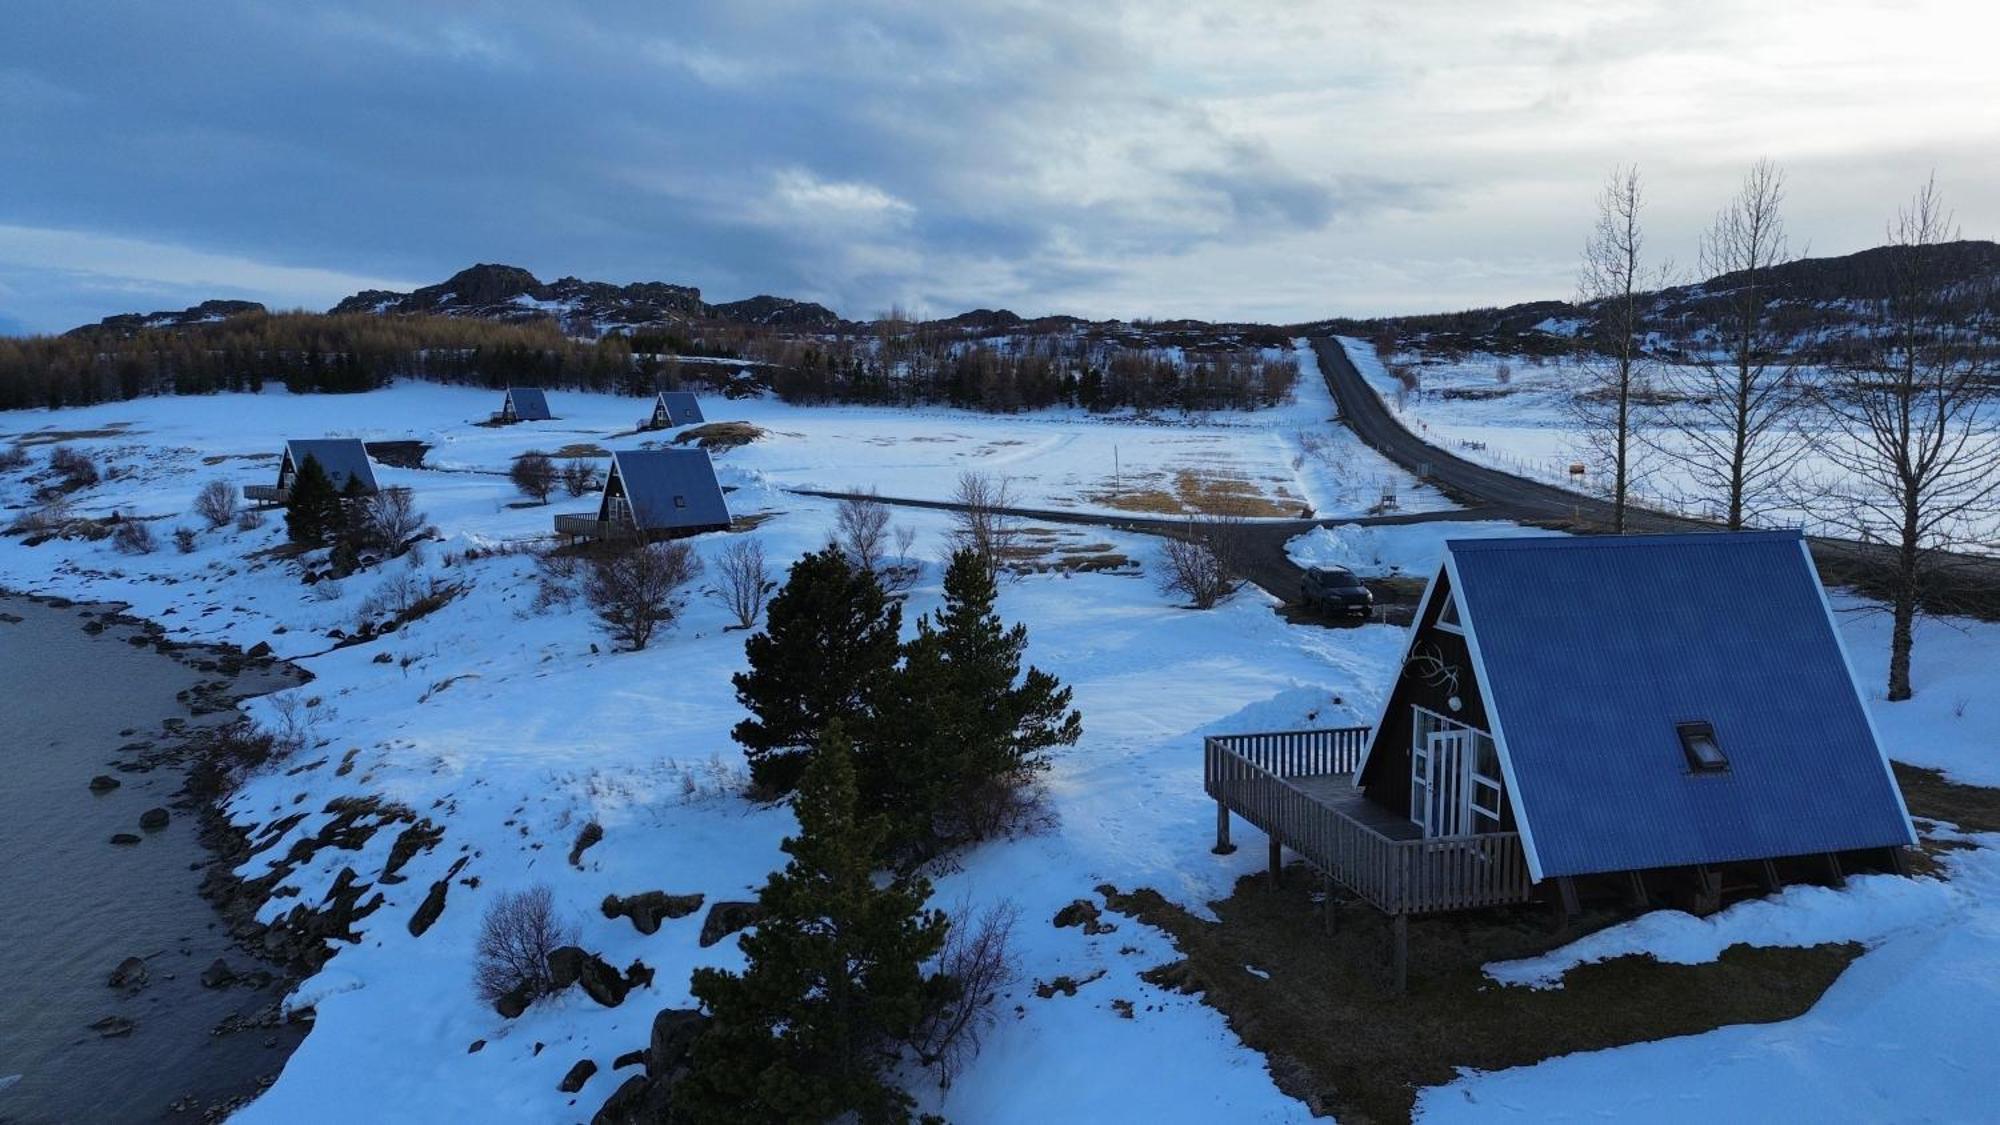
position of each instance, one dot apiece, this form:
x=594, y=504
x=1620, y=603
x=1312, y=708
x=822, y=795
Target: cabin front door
x=1439, y=775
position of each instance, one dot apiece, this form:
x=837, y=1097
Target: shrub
x=75, y=466
x=984, y=527
x=516, y=936
x=13, y=457
x=184, y=540
x=634, y=592
x=1204, y=561
x=978, y=960
x=535, y=475
x=250, y=519
x=133, y=537
x=53, y=515
x=216, y=503
x=578, y=476
x=390, y=518
x=746, y=581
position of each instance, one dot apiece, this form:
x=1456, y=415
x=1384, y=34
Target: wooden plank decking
x=1298, y=787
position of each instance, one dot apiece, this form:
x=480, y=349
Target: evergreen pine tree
x=829, y=643
x=959, y=737
x=312, y=509
x=834, y=976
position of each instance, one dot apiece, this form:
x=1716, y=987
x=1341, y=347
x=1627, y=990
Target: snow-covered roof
x=1591, y=655
x=341, y=458
x=669, y=489
x=530, y=404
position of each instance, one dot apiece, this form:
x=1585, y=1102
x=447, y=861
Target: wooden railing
x=266, y=493
x=590, y=527
x=1251, y=776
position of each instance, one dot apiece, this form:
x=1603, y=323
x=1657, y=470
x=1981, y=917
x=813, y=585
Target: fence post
x=1222, y=844
x=1277, y=860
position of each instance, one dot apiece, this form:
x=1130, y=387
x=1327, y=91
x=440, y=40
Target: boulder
x=261, y=648
x=674, y=1032
x=430, y=908
x=603, y=983
x=130, y=973
x=629, y=1058
x=648, y=908
x=577, y=1076
x=112, y=1027
x=152, y=820
x=218, y=974
x=565, y=966
x=104, y=783
x=124, y=839
x=626, y=1105
x=515, y=1000
x=585, y=840
x=725, y=918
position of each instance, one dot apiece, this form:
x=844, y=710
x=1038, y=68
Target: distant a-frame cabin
x=524, y=404
x=674, y=408
x=1638, y=716
x=653, y=494
x=344, y=460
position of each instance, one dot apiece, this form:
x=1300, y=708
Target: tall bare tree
x=984, y=521
x=1612, y=284
x=1732, y=421
x=1916, y=455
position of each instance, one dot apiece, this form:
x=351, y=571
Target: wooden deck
x=1298, y=787
x=266, y=493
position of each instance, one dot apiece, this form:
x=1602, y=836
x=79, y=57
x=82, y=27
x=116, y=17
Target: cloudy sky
x=1262, y=159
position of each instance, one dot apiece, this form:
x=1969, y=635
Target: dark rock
x=152, y=820
x=515, y=1000
x=629, y=1058
x=647, y=909
x=565, y=966
x=674, y=1032
x=130, y=973
x=1083, y=912
x=124, y=838
x=261, y=648
x=430, y=908
x=725, y=918
x=638, y=975
x=384, y=658
x=218, y=974
x=111, y=1027
x=591, y=834
x=477, y=1046
x=603, y=983
x=104, y=783
x=626, y=1105
x=577, y=1076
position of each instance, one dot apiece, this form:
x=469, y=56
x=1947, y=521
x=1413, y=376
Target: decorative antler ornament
x=1428, y=663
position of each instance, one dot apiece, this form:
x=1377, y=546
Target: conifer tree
x=963, y=730
x=312, y=510
x=834, y=979
x=829, y=643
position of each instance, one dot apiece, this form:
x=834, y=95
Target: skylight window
x=1704, y=753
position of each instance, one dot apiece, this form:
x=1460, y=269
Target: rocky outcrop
x=648, y=908
x=152, y=820
x=218, y=974
x=648, y=1097
x=131, y=973
x=577, y=1076
x=725, y=918
x=103, y=783
x=130, y=324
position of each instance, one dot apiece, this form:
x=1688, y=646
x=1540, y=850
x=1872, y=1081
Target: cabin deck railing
x=590, y=527
x=266, y=493
x=1252, y=776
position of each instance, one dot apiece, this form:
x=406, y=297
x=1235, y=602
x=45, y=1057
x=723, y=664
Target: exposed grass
x=53, y=437
x=1974, y=808
x=1337, y=1037
x=718, y=436
x=582, y=449
x=1199, y=493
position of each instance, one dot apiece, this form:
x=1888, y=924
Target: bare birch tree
x=1915, y=452
x=984, y=524
x=1612, y=283
x=1732, y=422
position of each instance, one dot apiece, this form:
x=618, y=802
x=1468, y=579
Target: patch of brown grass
x=53, y=437
x=1193, y=492
x=582, y=449
x=717, y=437
x=1337, y=1036
x=1974, y=808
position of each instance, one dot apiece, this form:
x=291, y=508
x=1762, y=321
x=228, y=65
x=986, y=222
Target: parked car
x=1336, y=590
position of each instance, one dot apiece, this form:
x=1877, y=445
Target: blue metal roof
x=682, y=409
x=1591, y=650
x=530, y=404
x=670, y=488
x=342, y=458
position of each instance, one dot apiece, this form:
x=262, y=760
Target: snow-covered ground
x=505, y=726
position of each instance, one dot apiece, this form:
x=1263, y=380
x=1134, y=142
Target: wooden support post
x=1899, y=860
x=1768, y=872
x=1222, y=844
x=1277, y=861
x=1570, y=909
x=1402, y=929
x=1833, y=872
x=1635, y=891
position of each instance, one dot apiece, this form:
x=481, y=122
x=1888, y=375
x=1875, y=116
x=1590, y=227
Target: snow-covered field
x=508, y=727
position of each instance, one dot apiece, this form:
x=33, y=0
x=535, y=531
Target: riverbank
x=102, y=713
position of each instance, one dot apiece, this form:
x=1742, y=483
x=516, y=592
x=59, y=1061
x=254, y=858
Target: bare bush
x=983, y=524
x=184, y=539
x=535, y=475
x=73, y=465
x=13, y=457
x=861, y=531
x=578, y=476
x=216, y=503
x=133, y=537
x=745, y=581
x=53, y=515
x=555, y=579
x=1204, y=561
x=516, y=936
x=404, y=596
x=978, y=960
x=635, y=592
x=250, y=519
x=391, y=517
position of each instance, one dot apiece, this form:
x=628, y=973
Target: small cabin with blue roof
x=344, y=460
x=654, y=494
x=1647, y=716
x=524, y=404
x=674, y=408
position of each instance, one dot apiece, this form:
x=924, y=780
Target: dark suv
x=1336, y=590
